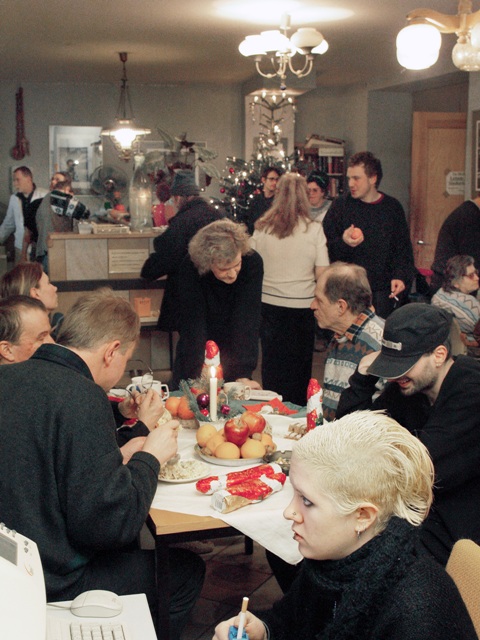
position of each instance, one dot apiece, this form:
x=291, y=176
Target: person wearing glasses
x=263, y=200
x=435, y=396
x=457, y=293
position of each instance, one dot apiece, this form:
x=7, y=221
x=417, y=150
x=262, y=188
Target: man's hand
x=131, y=447
x=147, y=407
x=353, y=236
x=366, y=361
x=396, y=287
x=162, y=442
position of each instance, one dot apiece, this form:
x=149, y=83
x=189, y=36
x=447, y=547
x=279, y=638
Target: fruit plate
x=237, y=462
x=184, y=471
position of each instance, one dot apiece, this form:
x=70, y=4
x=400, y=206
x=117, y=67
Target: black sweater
x=386, y=253
x=229, y=314
x=450, y=429
x=387, y=590
x=62, y=481
x=171, y=248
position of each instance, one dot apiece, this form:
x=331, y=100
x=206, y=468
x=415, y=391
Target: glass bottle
x=140, y=198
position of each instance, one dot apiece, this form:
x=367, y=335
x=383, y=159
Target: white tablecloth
x=263, y=521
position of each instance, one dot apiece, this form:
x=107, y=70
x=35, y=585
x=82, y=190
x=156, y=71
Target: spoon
x=173, y=460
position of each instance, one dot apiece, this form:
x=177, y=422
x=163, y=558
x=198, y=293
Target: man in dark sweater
x=263, y=201
x=63, y=482
x=171, y=247
x=437, y=398
x=369, y=228
x=459, y=235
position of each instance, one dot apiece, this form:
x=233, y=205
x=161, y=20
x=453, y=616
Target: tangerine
x=172, y=403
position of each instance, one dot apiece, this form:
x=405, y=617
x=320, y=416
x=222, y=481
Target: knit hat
x=184, y=184
x=409, y=333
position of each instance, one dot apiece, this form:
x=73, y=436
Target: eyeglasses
x=142, y=380
x=472, y=275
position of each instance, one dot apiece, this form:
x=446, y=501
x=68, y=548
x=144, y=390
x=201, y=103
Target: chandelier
x=418, y=44
x=277, y=47
x=125, y=135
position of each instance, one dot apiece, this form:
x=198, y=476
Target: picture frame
x=77, y=151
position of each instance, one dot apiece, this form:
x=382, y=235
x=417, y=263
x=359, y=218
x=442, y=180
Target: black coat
x=170, y=250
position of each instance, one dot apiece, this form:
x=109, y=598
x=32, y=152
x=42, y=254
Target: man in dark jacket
x=63, y=481
x=435, y=397
x=171, y=247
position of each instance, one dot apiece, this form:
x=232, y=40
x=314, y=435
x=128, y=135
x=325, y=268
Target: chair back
x=464, y=567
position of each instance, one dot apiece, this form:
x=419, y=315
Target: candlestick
x=213, y=394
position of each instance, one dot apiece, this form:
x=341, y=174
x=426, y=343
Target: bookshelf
x=327, y=154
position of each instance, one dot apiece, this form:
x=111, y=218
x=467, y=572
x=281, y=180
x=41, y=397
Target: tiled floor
x=231, y=575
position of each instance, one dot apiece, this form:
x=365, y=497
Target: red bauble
x=204, y=412
x=203, y=400
x=225, y=409
x=222, y=189
x=231, y=170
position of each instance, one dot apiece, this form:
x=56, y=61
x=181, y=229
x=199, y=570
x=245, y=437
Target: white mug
x=162, y=389
x=237, y=390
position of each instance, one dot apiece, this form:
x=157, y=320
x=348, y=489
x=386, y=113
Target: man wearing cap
x=171, y=247
x=437, y=398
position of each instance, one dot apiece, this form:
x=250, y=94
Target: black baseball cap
x=409, y=333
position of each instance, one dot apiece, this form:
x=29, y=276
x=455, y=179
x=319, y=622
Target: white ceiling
x=187, y=41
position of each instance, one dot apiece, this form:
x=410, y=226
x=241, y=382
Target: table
x=181, y=514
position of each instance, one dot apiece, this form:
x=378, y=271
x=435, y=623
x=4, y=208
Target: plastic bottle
x=140, y=198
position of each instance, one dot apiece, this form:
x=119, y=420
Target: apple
x=255, y=422
x=236, y=431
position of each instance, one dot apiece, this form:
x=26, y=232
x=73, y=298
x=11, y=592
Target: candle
x=213, y=394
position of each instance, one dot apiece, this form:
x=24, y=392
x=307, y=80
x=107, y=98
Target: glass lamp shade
x=475, y=36
x=418, y=46
x=306, y=39
x=275, y=41
x=252, y=46
x=321, y=48
x=125, y=133
x=465, y=56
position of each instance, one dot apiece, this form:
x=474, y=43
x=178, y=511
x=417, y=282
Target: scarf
x=359, y=582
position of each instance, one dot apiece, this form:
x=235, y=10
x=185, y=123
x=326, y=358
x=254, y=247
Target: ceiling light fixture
x=125, y=135
x=280, y=50
x=418, y=44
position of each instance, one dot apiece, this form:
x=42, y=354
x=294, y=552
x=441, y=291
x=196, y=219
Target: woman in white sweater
x=294, y=251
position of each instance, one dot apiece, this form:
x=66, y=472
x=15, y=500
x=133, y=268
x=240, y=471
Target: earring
x=359, y=533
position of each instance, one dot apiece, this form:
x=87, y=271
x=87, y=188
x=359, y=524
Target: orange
x=171, y=404
x=184, y=412
x=252, y=449
x=213, y=443
x=227, y=451
x=204, y=433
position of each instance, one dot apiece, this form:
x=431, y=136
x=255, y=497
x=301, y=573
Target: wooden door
x=438, y=148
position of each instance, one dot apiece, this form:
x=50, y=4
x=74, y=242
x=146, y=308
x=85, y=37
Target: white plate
x=201, y=472
x=237, y=462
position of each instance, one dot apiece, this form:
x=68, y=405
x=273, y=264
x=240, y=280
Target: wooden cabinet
x=326, y=154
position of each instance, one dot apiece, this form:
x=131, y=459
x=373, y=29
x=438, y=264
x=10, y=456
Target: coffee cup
x=146, y=382
x=237, y=390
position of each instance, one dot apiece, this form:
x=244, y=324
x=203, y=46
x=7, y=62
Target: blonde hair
x=97, y=318
x=367, y=456
x=290, y=204
x=218, y=243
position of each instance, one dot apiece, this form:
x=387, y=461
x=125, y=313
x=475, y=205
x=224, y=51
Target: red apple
x=255, y=422
x=236, y=431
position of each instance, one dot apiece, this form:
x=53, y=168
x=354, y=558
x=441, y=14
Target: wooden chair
x=464, y=567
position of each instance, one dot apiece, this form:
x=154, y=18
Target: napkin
x=276, y=405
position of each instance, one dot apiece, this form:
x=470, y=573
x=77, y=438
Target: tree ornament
x=225, y=409
x=231, y=170
x=204, y=412
x=203, y=400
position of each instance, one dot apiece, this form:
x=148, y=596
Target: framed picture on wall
x=76, y=151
